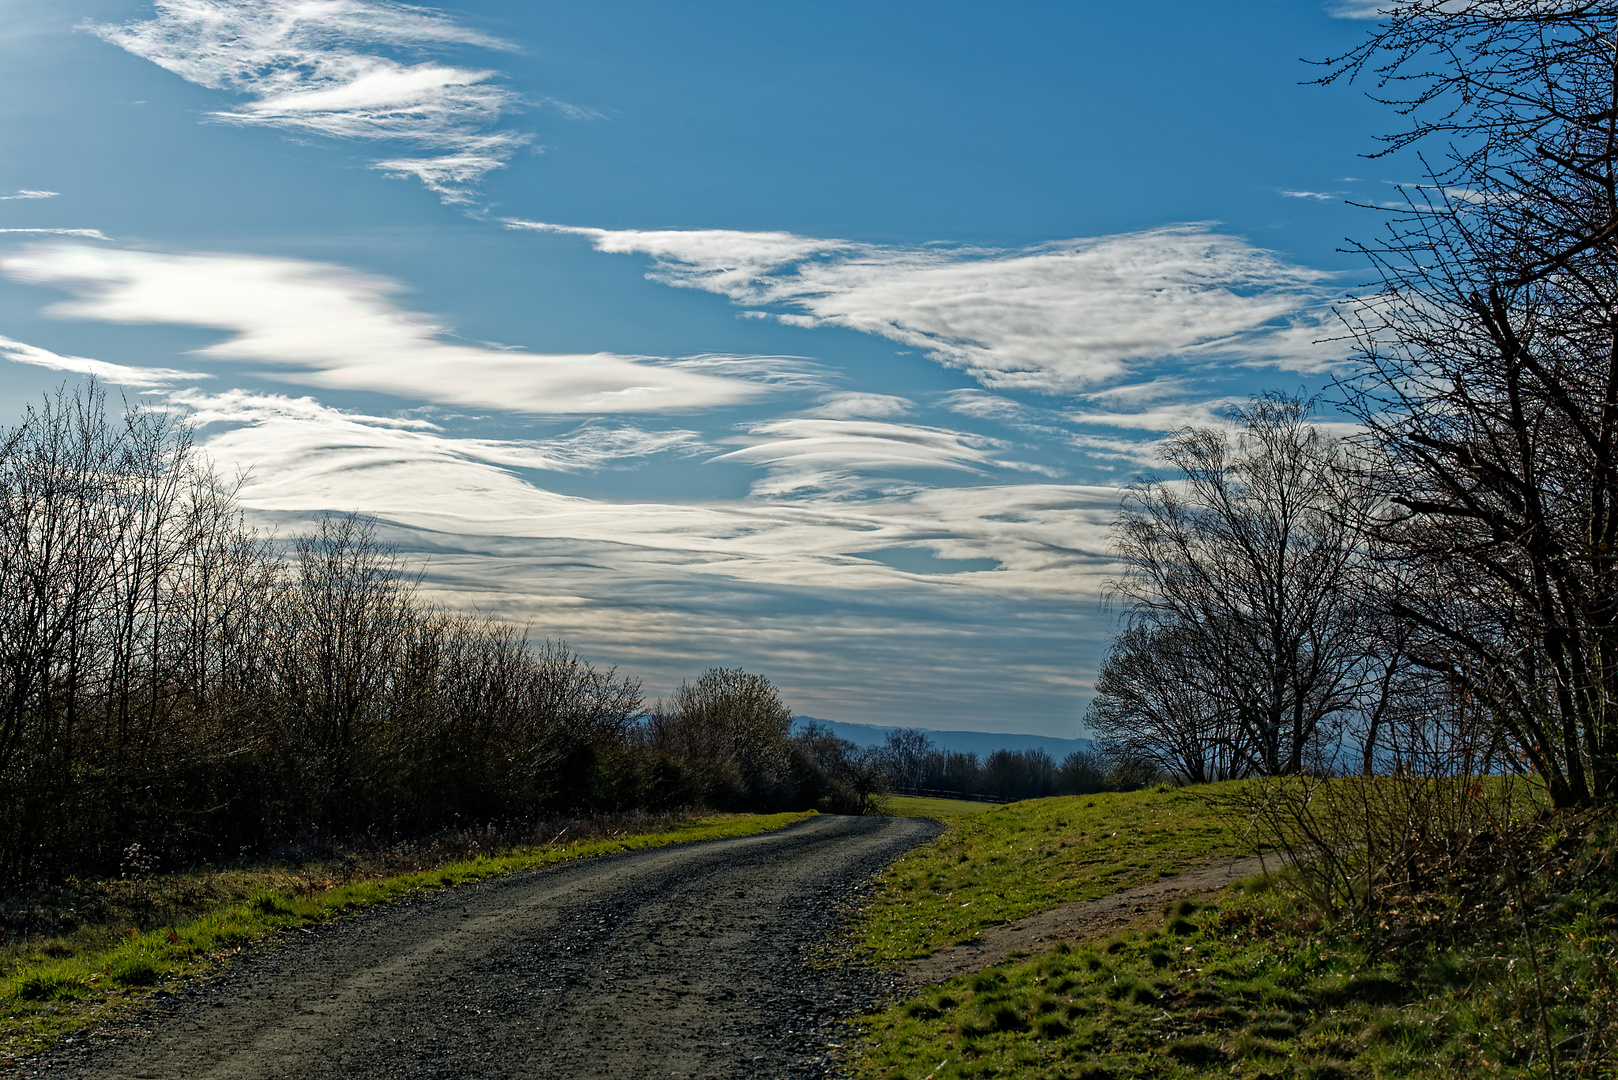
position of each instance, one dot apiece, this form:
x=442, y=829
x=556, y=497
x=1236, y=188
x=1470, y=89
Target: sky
x=814, y=339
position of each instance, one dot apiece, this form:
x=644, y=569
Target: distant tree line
x=173, y=680
x=913, y=765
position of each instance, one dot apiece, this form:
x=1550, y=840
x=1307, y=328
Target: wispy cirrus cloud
x=88, y=234
x=1052, y=318
x=778, y=372
x=24, y=193
x=618, y=446
x=1162, y=417
x=318, y=66
x=301, y=450
x=749, y=580
x=1359, y=9
x=995, y=407
x=1376, y=9
x=304, y=456
x=1142, y=414
x=118, y=374
x=338, y=328
x=853, y=405
x=854, y=456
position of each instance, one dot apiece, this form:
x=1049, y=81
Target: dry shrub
x=1405, y=856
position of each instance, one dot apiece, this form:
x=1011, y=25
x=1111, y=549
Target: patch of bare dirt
x=1080, y=921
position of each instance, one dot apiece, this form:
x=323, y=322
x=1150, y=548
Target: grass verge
x=1508, y=967
x=937, y=809
x=1252, y=986
x=54, y=985
x=1004, y=862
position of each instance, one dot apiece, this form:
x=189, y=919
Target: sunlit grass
x=1247, y=986
x=938, y=809
x=1252, y=982
x=1004, y=862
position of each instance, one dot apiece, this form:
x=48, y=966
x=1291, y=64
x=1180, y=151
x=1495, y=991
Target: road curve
x=692, y=960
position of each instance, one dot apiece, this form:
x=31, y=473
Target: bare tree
x=171, y=681
x=1018, y=774
x=1154, y=700
x=906, y=754
x=854, y=777
x=1248, y=569
x=120, y=556
x=1490, y=374
x=345, y=619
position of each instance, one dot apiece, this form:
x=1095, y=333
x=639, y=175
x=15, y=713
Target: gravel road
x=695, y=960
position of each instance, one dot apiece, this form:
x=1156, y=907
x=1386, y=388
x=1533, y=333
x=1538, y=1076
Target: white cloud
x=1359, y=9
x=666, y=589
x=1162, y=388
x=285, y=424
x=450, y=175
x=1449, y=194
x=1137, y=452
x=315, y=66
x=24, y=193
x=305, y=457
x=1056, y=425
x=301, y=451
x=857, y=406
x=601, y=446
x=88, y=234
x=1313, y=343
x=843, y=456
x=780, y=372
x=981, y=405
x=1325, y=196
x=338, y=328
x=1166, y=416
x=117, y=374
x=1051, y=318
x=1377, y=9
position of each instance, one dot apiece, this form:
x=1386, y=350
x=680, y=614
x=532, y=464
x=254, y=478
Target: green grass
x=1254, y=982
x=1250, y=986
x=51, y=986
x=1005, y=862
x=938, y=809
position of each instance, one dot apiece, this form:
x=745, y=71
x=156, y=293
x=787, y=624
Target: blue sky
x=816, y=339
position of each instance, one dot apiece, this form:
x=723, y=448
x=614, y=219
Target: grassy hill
x=1507, y=973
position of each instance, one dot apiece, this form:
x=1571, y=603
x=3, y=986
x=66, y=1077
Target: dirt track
x=1079, y=921
x=686, y=961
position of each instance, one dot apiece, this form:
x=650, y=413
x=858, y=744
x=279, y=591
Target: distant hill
x=981, y=743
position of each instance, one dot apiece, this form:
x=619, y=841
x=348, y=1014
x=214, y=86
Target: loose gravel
x=701, y=960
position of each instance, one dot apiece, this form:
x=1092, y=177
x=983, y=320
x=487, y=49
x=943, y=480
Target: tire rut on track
x=694, y=960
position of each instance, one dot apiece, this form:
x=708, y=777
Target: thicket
x=175, y=686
